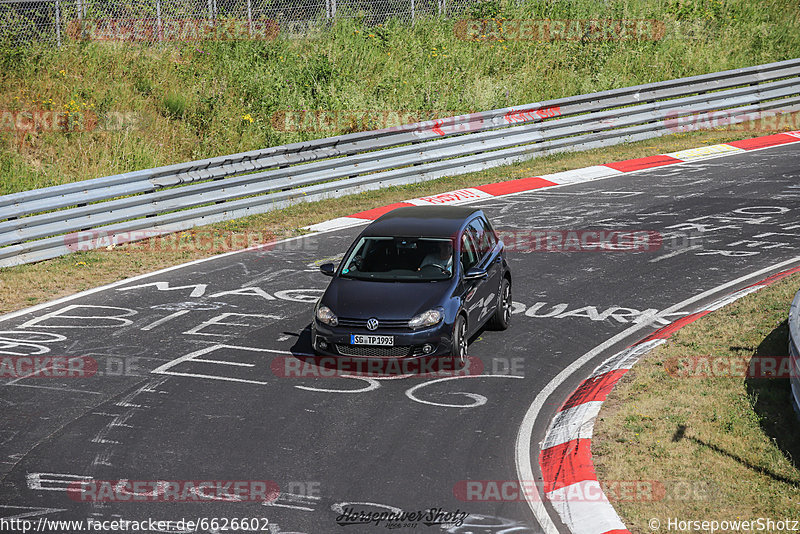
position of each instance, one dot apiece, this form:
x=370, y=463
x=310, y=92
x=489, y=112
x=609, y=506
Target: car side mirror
x=327, y=269
x=475, y=274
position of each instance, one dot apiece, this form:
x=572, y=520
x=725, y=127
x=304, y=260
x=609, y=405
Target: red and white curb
x=565, y=456
x=586, y=174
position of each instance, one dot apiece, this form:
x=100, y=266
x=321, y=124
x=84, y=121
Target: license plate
x=360, y=339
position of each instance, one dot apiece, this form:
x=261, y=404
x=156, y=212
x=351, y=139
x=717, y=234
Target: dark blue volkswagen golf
x=416, y=283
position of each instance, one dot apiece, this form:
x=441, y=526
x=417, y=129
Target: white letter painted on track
x=621, y=315
x=112, y=320
x=198, y=356
x=304, y=295
x=247, y=291
x=16, y=339
x=590, y=312
x=198, y=290
x=557, y=309
x=218, y=320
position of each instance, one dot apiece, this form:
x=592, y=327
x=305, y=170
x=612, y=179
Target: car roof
x=423, y=221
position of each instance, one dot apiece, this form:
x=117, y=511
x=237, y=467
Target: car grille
x=370, y=351
x=393, y=324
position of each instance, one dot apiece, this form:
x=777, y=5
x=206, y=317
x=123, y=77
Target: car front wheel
x=458, y=352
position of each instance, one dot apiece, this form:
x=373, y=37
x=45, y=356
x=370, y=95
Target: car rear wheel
x=502, y=315
x=458, y=353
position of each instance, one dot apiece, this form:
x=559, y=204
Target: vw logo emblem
x=372, y=324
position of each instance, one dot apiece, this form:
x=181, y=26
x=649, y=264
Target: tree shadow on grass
x=771, y=397
x=770, y=400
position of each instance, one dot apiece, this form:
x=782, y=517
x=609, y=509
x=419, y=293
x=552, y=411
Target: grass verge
x=27, y=285
x=731, y=444
x=158, y=105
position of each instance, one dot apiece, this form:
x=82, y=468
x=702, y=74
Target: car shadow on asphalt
x=302, y=350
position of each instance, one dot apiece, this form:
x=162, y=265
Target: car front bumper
x=408, y=344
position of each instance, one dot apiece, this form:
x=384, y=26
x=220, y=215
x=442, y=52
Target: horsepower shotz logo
x=398, y=519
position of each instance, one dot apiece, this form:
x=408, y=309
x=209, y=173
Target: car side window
x=489, y=236
x=469, y=254
x=475, y=230
x=483, y=235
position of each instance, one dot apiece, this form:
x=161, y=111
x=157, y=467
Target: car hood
x=362, y=299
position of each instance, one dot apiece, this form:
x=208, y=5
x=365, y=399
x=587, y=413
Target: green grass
x=732, y=443
x=208, y=98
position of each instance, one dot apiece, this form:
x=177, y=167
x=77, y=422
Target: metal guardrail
x=50, y=222
x=794, y=350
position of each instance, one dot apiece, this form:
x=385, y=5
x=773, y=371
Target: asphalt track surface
x=185, y=390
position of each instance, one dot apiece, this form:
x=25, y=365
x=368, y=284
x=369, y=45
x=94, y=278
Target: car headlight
x=325, y=315
x=428, y=318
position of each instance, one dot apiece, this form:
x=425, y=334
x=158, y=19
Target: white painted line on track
x=33, y=513
x=164, y=320
x=525, y=433
x=215, y=377
x=675, y=253
x=54, y=388
x=240, y=364
x=479, y=400
x=372, y=385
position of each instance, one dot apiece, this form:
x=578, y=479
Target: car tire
x=458, y=352
x=502, y=314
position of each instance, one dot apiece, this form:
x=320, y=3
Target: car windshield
x=413, y=259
